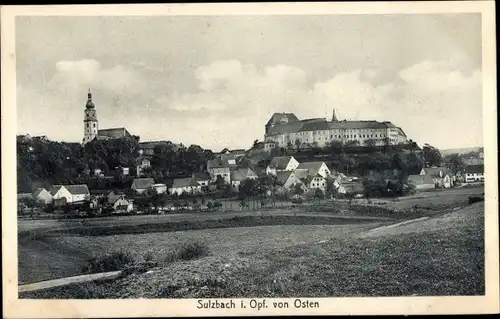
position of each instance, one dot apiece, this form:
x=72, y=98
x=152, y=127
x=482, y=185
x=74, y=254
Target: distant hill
x=461, y=150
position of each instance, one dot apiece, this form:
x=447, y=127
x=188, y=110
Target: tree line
x=42, y=163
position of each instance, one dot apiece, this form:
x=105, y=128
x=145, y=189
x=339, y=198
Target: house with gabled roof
x=287, y=180
x=141, y=185
x=422, y=181
x=315, y=168
x=350, y=187
x=202, y=178
x=441, y=176
x=222, y=167
x=241, y=174
x=282, y=163
x=184, y=185
x=316, y=181
x=119, y=203
x=42, y=195
x=70, y=193
x=474, y=173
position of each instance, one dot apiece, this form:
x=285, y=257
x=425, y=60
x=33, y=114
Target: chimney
x=334, y=117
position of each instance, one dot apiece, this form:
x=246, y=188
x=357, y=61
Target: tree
x=248, y=189
x=330, y=187
x=335, y=146
x=220, y=182
x=297, y=144
x=352, y=143
x=319, y=194
x=297, y=189
x=370, y=143
x=432, y=156
x=455, y=163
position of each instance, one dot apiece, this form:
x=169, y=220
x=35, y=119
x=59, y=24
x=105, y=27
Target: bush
x=111, y=262
x=475, y=199
x=188, y=251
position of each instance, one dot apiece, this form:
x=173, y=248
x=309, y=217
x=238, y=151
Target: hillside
x=464, y=150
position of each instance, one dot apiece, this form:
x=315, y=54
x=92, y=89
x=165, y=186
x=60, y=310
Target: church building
x=91, y=125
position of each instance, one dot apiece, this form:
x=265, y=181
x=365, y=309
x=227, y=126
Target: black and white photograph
x=247, y=162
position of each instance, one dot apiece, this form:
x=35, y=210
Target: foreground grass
x=55, y=257
x=423, y=262
x=238, y=221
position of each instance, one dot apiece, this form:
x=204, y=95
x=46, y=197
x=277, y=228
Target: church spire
x=334, y=117
x=90, y=104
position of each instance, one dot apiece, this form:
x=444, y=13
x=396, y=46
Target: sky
x=216, y=80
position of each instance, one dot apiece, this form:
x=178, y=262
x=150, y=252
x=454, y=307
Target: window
x=94, y=125
x=88, y=125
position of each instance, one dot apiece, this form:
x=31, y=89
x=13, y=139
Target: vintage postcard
x=249, y=159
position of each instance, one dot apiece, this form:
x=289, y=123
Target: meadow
x=287, y=243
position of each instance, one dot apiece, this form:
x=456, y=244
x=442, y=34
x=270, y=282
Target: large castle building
x=286, y=130
x=91, y=129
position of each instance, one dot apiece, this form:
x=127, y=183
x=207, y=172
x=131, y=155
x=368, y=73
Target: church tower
x=90, y=126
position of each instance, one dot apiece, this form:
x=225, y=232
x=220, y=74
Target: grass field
x=443, y=255
x=276, y=252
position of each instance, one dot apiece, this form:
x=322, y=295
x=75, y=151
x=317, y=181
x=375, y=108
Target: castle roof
x=282, y=118
x=284, y=123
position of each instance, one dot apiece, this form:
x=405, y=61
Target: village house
x=350, y=187
x=422, y=181
x=442, y=177
x=119, y=203
x=203, y=179
x=141, y=185
x=184, y=185
x=159, y=188
x=241, y=174
x=474, y=173
x=281, y=163
x=315, y=168
x=70, y=193
x=42, y=195
x=218, y=167
x=287, y=181
x=143, y=163
x=316, y=181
